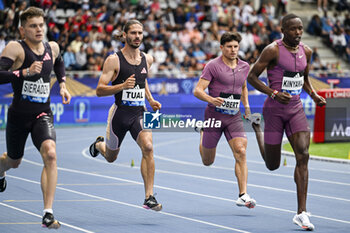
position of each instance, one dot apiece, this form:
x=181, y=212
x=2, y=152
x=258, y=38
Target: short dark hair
x=131, y=22
x=230, y=36
x=31, y=12
x=287, y=18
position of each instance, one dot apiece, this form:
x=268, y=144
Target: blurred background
x=182, y=36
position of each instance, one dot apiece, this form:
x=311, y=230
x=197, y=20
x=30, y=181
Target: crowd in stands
x=182, y=35
x=334, y=31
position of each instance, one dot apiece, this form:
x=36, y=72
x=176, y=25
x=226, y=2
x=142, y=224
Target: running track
x=94, y=196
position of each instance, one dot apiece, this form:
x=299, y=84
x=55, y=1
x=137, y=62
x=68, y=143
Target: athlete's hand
x=66, y=97
x=319, y=100
x=129, y=82
x=247, y=112
x=283, y=97
x=155, y=105
x=217, y=101
x=35, y=68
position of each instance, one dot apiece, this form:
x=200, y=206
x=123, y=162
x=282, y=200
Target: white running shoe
x=254, y=118
x=303, y=221
x=246, y=201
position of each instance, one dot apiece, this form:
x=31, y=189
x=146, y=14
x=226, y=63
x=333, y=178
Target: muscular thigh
x=297, y=122
x=274, y=126
x=17, y=131
x=234, y=127
x=116, y=130
x=43, y=129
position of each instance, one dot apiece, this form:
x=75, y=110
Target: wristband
x=28, y=72
x=273, y=94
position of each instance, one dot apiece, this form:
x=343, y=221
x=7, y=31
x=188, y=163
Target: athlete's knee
x=302, y=157
x=111, y=159
x=111, y=156
x=147, y=148
x=240, y=154
x=207, y=161
x=272, y=166
x=15, y=163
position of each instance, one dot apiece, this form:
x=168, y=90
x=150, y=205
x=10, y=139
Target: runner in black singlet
x=32, y=62
x=128, y=70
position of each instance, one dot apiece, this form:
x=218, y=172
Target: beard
x=129, y=42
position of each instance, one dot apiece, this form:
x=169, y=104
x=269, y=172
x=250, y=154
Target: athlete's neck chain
x=290, y=47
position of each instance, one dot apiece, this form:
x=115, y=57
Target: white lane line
x=249, y=170
x=132, y=205
x=36, y=215
x=220, y=155
x=84, y=152
x=176, y=190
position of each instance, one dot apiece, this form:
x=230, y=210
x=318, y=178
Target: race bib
x=37, y=92
x=292, y=82
x=134, y=97
x=230, y=105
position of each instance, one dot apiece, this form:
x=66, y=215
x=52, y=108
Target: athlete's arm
x=266, y=60
x=319, y=100
x=244, y=99
x=110, y=69
x=7, y=60
x=153, y=103
x=60, y=72
x=202, y=95
x=58, y=62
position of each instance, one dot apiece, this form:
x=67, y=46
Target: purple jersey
x=225, y=82
x=288, y=74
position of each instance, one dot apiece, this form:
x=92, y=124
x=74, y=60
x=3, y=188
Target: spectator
x=2, y=41
x=180, y=53
x=97, y=45
x=69, y=59
x=76, y=44
x=315, y=26
x=81, y=58
x=339, y=42
x=199, y=55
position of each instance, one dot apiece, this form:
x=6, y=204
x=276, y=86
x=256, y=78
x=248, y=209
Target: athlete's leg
x=49, y=173
x=144, y=140
x=6, y=163
x=108, y=154
x=300, y=142
x=238, y=146
x=270, y=153
x=207, y=154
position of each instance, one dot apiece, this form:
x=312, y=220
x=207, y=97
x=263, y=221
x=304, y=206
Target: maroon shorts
x=231, y=125
x=279, y=117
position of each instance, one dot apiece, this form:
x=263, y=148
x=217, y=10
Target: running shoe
x=198, y=129
x=3, y=184
x=50, y=222
x=93, y=151
x=246, y=201
x=303, y=221
x=254, y=118
x=151, y=203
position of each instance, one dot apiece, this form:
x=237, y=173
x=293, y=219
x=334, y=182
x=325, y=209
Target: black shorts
x=120, y=121
x=19, y=126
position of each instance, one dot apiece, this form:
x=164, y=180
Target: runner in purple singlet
x=287, y=62
x=225, y=78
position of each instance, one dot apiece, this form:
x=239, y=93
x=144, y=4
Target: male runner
x=225, y=78
x=127, y=70
x=287, y=62
x=31, y=61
